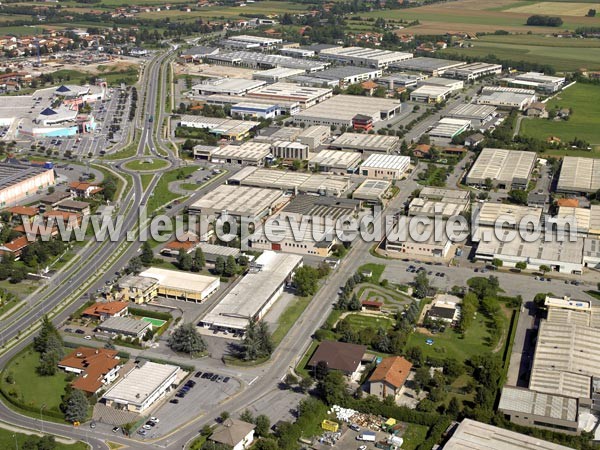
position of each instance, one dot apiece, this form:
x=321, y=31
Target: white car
x=154, y=419
x=147, y=427
x=88, y=337
x=362, y=447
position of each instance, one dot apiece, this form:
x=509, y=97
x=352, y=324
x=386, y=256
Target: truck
x=367, y=436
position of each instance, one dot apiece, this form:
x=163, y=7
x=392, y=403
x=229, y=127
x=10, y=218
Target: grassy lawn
x=7, y=441
x=451, y=344
x=162, y=195
x=289, y=316
x=147, y=164
x=359, y=321
x=146, y=179
x=301, y=367
x=128, y=76
x=189, y=186
x=263, y=7
x=31, y=389
x=375, y=269
x=22, y=289
x=413, y=436
x=583, y=123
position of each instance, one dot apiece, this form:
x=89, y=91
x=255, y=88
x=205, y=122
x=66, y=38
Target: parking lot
x=200, y=399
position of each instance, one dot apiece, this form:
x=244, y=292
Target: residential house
x=83, y=189
x=96, y=367
x=389, y=377
x=234, y=433
x=346, y=358
x=103, y=310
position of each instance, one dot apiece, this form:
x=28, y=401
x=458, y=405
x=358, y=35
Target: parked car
x=174, y=401
x=198, y=374
x=116, y=429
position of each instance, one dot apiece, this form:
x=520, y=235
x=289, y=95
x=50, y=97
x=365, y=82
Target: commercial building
x=234, y=434
x=227, y=86
x=430, y=94
x=450, y=83
x=575, y=220
x=489, y=214
x=145, y=384
x=238, y=201
x=474, y=435
x=448, y=128
x=263, y=42
x=367, y=57
x=445, y=207
x=182, y=285
x=314, y=136
x=507, y=169
x=277, y=74
x=18, y=182
x=285, y=107
x=506, y=97
x=341, y=110
x=249, y=153
x=232, y=129
x=579, y=175
x=335, y=161
x=389, y=377
x=341, y=356
x=385, y=167
x=536, y=80
x=125, y=326
x=305, y=96
x=400, y=80
x=289, y=150
x=296, y=52
x=367, y=144
x=274, y=134
x=477, y=114
x=410, y=238
x=137, y=289
x=265, y=61
x=96, y=368
x=339, y=76
x=563, y=256
x=293, y=182
x=252, y=110
x=254, y=294
x=591, y=253
x=473, y=71
x=432, y=66
x=372, y=192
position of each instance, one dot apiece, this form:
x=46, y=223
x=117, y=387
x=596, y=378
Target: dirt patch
x=424, y=331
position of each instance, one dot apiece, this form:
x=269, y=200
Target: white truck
x=366, y=436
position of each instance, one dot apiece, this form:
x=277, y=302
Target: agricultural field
x=554, y=8
x=562, y=54
x=474, y=16
x=227, y=12
x=583, y=123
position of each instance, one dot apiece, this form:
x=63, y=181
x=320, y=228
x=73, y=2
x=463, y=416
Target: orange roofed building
x=96, y=367
x=568, y=202
x=84, y=190
x=389, y=377
x=104, y=310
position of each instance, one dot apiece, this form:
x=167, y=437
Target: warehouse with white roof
x=335, y=161
x=579, y=175
x=366, y=143
x=448, y=128
x=227, y=86
x=255, y=293
x=477, y=114
x=361, y=56
x=507, y=169
x=385, y=167
x=182, y=285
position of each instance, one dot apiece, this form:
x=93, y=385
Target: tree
x=454, y=407
x=521, y=265
x=332, y=389
x=41, y=341
x=263, y=424
x=184, y=260
x=489, y=183
x=321, y=370
x=257, y=342
x=306, y=281
x=266, y=444
x=247, y=416
x=134, y=266
x=415, y=355
x=544, y=268
x=186, y=339
x=109, y=187
x=75, y=406
x=219, y=265
x=518, y=196
x=421, y=285
x=290, y=379
x=147, y=255
x=497, y=262
x=198, y=260
x=355, y=304
x=231, y=267
x=591, y=13
x=305, y=383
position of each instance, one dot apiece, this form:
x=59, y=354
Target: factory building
x=305, y=96
x=335, y=161
x=473, y=71
x=288, y=150
x=385, y=167
x=477, y=114
x=366, y=143
x=579, y=175
x=277, y=74
x=232, y=129
x=256, y=60
x=226, y=86
x=431, y=66
x=366, y=57
x=339, y=76
x=447, y=128
x=506, y=97
x=507, y=169
x=373, y=192
x=536, y=80
x=18, y=182
x=430, y=94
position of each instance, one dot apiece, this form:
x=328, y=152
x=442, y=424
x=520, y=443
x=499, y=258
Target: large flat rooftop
x=242, y=201
x=176, y=279
x=345, y=107
x=366, y=142
x=501, y=166
x=579, y=175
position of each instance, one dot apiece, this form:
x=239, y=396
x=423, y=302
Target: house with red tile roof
x=96, y=367
x=84, y=190
x=103, y=310
x=14, y=247
x=389, y=377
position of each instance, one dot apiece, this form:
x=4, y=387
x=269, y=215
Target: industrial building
x=506, y=97
x=400, y=80
x=305, y=96
x=254, y=294
x=385, y=167
x=579, y=175
x=430, y=94
x=294, y=182
x=432, y=66
x=314, y=136
x=433, y=202
x=473, y=435
x=477, y=114
x=591, y=253
x=536, y=80
x=335, y=161
x=410, y=238
x=448, y=128
x=284, y=107
x=366, y=57
x=263, y=42
x=250, y=110
x=232, y=129
x=18, y=181
x=473, y=71
x=507, y=169
x=265, y=61
x=372, y=192
x=238, y=201
x=288, y=150
x=227, y=86
x=339, y=76
x=249, y=153
x=125, y=326
x=145, y=384
x=277, y=74
x=450, y=83
x=340, y=110
x=182, y=285
x=367, y=144
x=489, y=214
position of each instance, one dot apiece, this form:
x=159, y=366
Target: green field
x=562, y=54
x=10, y=439
x=361, y=321
x=584, y=121
x=259, y=8
x=289, y=317
x=31, y=389
x=127, y=76
x=413, y=436
x=162, y=195
x=147, y=164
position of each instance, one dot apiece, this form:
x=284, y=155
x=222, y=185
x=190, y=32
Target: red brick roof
x=569, y=202
x=18, y=244
x=393, y=370
x=95, y=363
x=107, y=308
x=23, y=210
